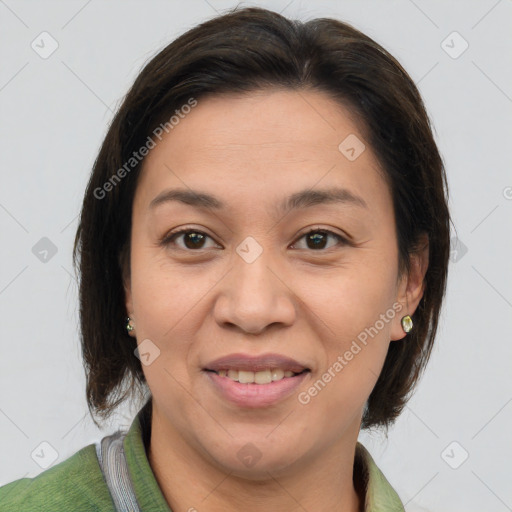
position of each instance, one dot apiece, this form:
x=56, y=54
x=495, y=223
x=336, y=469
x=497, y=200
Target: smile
x=261, y=377
x=248, y=389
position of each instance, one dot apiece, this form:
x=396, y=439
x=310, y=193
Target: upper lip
x=255, y=363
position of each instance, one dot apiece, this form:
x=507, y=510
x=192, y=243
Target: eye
x=316, y=239
x=192, y=239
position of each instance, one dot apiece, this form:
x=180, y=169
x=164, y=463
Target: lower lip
x=255, y=395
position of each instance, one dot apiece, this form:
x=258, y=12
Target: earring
x=129, y=326
x=407, y=323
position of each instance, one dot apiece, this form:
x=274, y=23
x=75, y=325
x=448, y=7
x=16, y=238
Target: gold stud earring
x=129, y=326
x=407, y=323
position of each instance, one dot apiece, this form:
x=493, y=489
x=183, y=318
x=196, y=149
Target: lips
x=245, y=362
x=243, y=379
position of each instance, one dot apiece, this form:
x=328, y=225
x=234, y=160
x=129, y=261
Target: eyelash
x=169, y=238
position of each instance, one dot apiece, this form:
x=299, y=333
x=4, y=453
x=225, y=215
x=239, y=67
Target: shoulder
x=76, y=483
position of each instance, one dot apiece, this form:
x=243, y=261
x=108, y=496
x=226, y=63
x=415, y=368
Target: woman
x=263, y=250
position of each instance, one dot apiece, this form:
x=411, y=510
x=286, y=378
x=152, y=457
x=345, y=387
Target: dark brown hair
x=246, y=50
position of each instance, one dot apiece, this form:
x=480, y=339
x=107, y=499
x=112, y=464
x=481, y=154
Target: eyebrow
x=303, y=199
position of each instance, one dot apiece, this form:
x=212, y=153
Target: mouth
x=260, y=377
x=252, y=382
x=262, y=369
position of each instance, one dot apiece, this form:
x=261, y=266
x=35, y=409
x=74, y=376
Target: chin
x=253, y=460
x=262, y=470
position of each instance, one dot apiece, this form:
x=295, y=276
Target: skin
x=197, y=304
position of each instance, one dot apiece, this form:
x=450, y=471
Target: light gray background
x=54, y=113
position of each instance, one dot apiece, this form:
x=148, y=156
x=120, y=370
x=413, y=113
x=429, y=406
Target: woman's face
x=248, y=285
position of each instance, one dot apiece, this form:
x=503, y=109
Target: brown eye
x=317, y=239
x=192, y=239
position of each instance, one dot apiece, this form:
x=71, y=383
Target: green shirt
x=77, y=484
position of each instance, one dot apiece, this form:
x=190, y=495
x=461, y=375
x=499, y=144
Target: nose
x=253, y=296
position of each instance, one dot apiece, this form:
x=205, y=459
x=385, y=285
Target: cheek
x=170, y=306
x=356, y=306
x=162, y=294
x=352, y=299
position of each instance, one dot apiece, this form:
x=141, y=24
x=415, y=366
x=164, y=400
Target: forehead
x=265, y=122
x=262, y=144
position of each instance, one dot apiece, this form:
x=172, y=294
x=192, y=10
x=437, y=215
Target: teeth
x=246, y=377
x=277, y=374
x=262, y=377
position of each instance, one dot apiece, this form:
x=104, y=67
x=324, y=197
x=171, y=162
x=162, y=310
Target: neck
x=191, y=482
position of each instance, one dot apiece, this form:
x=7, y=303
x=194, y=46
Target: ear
x=128, y=296
x=125, y=273
x=411, y=286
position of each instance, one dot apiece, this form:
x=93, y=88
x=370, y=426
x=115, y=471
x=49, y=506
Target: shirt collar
x=379, y=494
x=147, y=491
